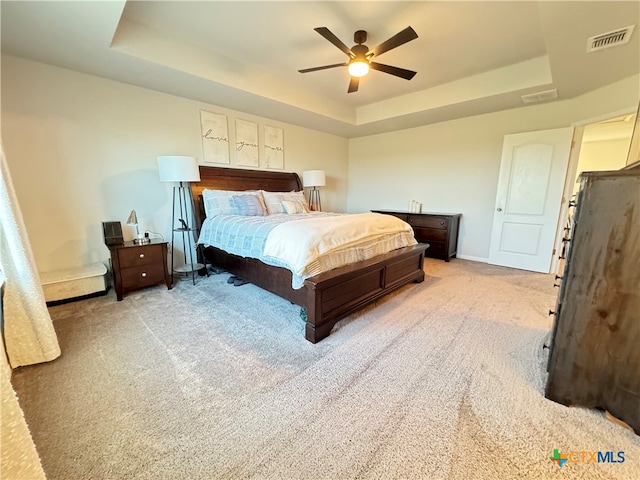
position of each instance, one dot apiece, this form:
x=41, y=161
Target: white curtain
x=28, y=330
x=19, y=456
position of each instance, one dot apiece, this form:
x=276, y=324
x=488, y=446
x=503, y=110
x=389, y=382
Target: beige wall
x=82, y=150
x=453, y=166
x=603, y=155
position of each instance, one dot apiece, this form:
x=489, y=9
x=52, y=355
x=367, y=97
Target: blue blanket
x=245, y=236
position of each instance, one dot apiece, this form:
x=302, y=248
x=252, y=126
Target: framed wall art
x=273, y=147
x=247, y=143
x=215, y=137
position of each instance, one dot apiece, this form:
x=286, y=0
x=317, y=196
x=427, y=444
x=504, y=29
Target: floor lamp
x=182, y=170
x=314, y=179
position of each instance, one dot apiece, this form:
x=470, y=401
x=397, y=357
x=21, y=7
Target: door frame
x=570, y=175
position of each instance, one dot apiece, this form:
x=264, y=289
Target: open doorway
x=605, y=145
x=602, y=145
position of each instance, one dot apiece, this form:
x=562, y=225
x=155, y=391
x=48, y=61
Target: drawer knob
x=441, y=222
x=144, y=274
x=142, y=255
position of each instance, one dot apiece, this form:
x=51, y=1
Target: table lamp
x=133, y=222
x=314, y=179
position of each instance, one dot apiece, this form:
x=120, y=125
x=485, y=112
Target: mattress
x=308, y=243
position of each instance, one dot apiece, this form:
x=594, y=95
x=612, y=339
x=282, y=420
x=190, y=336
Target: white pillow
x=294, y=207
x=273, y=200
x=218, y=202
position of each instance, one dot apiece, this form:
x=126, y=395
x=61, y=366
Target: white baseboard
x=475, y=259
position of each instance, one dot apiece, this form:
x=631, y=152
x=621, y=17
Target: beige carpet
x=441, y=380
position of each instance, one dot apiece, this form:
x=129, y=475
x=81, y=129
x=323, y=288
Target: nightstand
x=136, y=266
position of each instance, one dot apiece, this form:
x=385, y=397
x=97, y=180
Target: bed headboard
x=220, y=178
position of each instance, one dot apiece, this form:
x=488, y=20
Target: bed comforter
x=307, y=244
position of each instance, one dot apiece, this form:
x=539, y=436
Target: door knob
x=499, y=209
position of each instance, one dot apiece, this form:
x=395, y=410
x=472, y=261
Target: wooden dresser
x=137, y=266
x=594, y=358
x=439, y=230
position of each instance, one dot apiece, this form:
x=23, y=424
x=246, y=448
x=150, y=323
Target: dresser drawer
x=426, y=235
x=142, y=276
x=401, y=216
x=436, y=250
x=429, y=222
x=136, y=256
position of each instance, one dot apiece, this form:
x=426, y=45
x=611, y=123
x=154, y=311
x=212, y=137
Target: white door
x=530, y=186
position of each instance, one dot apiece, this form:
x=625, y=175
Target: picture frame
x=215, y=137
x=273, y=147
x=247, y=143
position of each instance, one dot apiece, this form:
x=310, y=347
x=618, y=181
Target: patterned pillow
x=273, y=200
x=218, y=202
x=294, y=207
x=248, y=205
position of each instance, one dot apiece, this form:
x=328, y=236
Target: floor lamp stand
x=184, y=208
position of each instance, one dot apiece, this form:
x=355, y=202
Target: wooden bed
x=327, y=297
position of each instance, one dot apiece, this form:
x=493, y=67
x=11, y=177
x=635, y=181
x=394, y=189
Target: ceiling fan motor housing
x=360, y=37
x=360, y=52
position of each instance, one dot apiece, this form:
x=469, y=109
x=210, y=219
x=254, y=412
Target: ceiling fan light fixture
x=358, y=68
x=360, y=55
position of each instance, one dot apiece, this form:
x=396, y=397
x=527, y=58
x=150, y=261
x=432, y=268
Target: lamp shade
x=175, y=168
x=313, y=178
x=133, y=218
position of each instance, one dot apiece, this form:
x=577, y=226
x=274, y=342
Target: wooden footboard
x=332, y=295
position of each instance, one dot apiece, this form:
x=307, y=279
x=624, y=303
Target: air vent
x=540, y=96
x=609, y=39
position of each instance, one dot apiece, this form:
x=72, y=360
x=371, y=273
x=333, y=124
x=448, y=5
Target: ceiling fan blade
x=353, y=84
x=398, y=39
x=326, y=33
x=324, y=67
x=398, y=72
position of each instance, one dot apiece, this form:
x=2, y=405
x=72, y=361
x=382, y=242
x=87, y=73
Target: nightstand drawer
x=144, y=255
x=142, y=276
x=428, y=235
x=429, y=222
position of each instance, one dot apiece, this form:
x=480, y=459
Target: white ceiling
x=471, y=57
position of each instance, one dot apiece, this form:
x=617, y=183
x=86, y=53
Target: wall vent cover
x=609, y=39
x=540, y=96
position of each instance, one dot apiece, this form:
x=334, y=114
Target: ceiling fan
x=360, y=55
